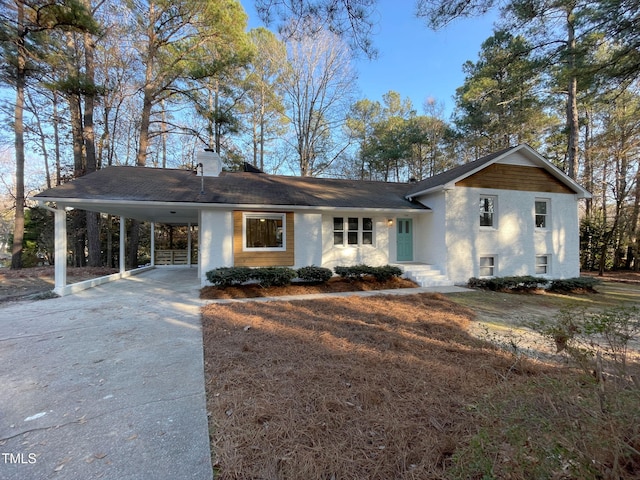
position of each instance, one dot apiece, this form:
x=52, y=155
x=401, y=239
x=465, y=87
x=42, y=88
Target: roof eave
x=548, y=166
x=80, y=202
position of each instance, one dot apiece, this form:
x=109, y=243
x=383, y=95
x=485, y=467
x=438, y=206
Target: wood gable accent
x=515, y=177
x=262, y=259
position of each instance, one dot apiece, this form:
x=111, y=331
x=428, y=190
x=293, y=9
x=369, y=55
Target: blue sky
x=413, y=60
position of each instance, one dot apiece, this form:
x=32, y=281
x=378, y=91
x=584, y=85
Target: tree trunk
x=93, y=218
x=572, y=101
x=134, y=242
x=56, y=138
x=262, y=125
x=18, y=227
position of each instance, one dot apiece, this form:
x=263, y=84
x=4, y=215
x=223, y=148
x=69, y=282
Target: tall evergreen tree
x=500, y=102
x=24, y=32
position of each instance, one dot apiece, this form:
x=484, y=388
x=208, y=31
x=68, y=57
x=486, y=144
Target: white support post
x=153, y=244
x=189, y=245
x=123, y=234
x=60, y=226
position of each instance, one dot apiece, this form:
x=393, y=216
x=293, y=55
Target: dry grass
x=375, y=388
x=17, y=284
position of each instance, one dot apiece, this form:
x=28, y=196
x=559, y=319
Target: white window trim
x=495, y=265
x=547, y=215
x=269, y=215
x=495, y=213
x=360, y=231
x=546, y=265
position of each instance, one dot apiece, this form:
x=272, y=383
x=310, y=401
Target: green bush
x=504, y=284
x=574, y=285
x=353, y=272
x=314, y=274
x=228, y=276
x=273, y=276
x=387, y=272
x=381, y=274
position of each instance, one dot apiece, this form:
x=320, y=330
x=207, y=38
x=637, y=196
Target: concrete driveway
x=106, y=383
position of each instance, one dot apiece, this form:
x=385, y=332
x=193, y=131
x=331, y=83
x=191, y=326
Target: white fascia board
x=535, y=157
x=434, y=189
x=95, y=203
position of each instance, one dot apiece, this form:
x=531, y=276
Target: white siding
x=308, y=235
x=430, y=246
x=215, y=241
x=376, y=254
x=514, y=241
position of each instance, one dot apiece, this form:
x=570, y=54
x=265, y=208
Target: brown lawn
x=353, y=388
x=18, y=284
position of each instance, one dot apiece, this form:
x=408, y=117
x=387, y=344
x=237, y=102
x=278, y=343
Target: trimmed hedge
x=280, y=276
x=274, y=276
x=502, y=284
x=381, y=274
x=574, y=285
x=266, y=276
x=228, y=276
x=314, y=274
x=528, y=283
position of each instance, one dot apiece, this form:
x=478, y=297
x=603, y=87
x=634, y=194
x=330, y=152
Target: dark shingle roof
x=168, y=185
x=454, y=173
x=140, y=184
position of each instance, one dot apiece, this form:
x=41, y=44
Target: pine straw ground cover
x=393, y=387
x=336, y=284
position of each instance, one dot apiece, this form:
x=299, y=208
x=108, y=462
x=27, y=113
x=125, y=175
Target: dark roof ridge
x=332, y=179
x=457, y=171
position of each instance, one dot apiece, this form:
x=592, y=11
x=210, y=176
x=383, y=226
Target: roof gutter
x=437, y=188
x=78, y=203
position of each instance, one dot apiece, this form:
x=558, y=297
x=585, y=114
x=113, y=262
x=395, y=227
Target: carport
x=155, y=195
x=168, y=213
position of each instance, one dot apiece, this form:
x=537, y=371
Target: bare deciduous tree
x=318, y=85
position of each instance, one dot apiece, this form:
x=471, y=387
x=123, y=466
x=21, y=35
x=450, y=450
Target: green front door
x=404, y=239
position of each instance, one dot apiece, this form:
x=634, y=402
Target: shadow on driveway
x=106, y=383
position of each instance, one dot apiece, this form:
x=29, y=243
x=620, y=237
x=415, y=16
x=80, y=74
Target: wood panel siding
x=254, y=258
x=515, y=177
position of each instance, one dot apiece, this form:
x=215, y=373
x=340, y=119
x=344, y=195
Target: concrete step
x=425, y=275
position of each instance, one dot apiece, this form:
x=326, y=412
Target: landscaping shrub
x=387, y=272
x=503, y=284
x=273, y=276
x=228, y=276
x=314, y=274
x=353, y=272
x=574, y=285
x=381, y=274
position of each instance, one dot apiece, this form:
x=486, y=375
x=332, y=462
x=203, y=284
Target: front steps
x=425, y=275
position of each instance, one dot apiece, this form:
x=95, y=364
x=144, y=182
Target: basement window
x=542, y=264
x=487, y=266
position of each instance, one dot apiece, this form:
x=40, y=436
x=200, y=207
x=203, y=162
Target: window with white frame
x=264, y=231
x=352, y=231
x=542, y=264
x=487, y=211
x=542, y=213
x=487, y=266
